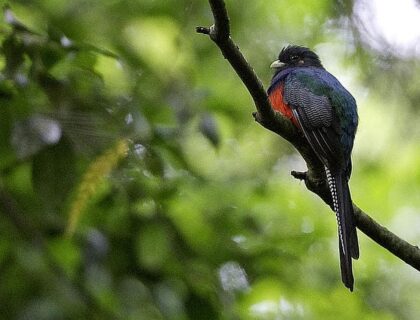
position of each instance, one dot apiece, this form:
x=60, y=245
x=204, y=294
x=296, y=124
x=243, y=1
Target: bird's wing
x=306, y=94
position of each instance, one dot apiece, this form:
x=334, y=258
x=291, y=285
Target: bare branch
x=381, y=235
x=315, y=177
x=220, y=34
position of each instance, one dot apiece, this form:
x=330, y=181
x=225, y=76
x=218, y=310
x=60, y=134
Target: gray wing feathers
x=317, y=110
x=315, y=115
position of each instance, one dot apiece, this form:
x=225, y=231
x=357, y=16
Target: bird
x=325, y=113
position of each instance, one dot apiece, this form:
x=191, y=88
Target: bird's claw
x=299, y=175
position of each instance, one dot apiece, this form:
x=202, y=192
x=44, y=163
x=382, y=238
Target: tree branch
x=314, y=178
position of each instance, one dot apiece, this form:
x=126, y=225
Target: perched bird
x=326, y=113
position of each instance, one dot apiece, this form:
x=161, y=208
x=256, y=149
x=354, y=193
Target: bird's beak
x=277, y=64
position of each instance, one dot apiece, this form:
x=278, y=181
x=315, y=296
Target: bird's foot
x=266, y=123
x=315, y=183
x=256, y=117
x=299, y=175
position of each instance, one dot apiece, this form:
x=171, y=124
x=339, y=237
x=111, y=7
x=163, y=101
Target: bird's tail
x=343, y=208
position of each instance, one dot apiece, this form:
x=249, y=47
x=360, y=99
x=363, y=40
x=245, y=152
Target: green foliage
x=200, y=219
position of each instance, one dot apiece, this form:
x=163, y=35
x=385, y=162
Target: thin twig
x=314, y=178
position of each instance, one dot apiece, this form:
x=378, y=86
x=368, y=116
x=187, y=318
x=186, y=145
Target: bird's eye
x=294, y=58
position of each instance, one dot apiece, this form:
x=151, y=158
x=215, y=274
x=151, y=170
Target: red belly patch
x=276, y=100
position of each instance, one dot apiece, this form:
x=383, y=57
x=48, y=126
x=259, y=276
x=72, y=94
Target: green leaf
x=54, y=173
x=153, y=247
x=13, y=50
x=66, y=254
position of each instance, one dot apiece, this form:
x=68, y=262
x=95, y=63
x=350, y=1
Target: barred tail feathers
x=343, y=208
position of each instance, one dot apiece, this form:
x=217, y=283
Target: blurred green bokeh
x=200, y=219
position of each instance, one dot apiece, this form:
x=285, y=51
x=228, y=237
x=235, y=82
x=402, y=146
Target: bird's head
x=296, y=56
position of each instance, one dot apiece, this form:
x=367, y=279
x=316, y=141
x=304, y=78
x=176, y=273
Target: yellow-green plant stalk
x=92, y=178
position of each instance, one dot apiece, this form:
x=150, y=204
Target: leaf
x=208, y=127
x=13, y=50
x=153, y=247
x=54, y=173
x=66, y=254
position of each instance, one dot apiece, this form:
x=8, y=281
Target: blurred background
x=136, y=185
